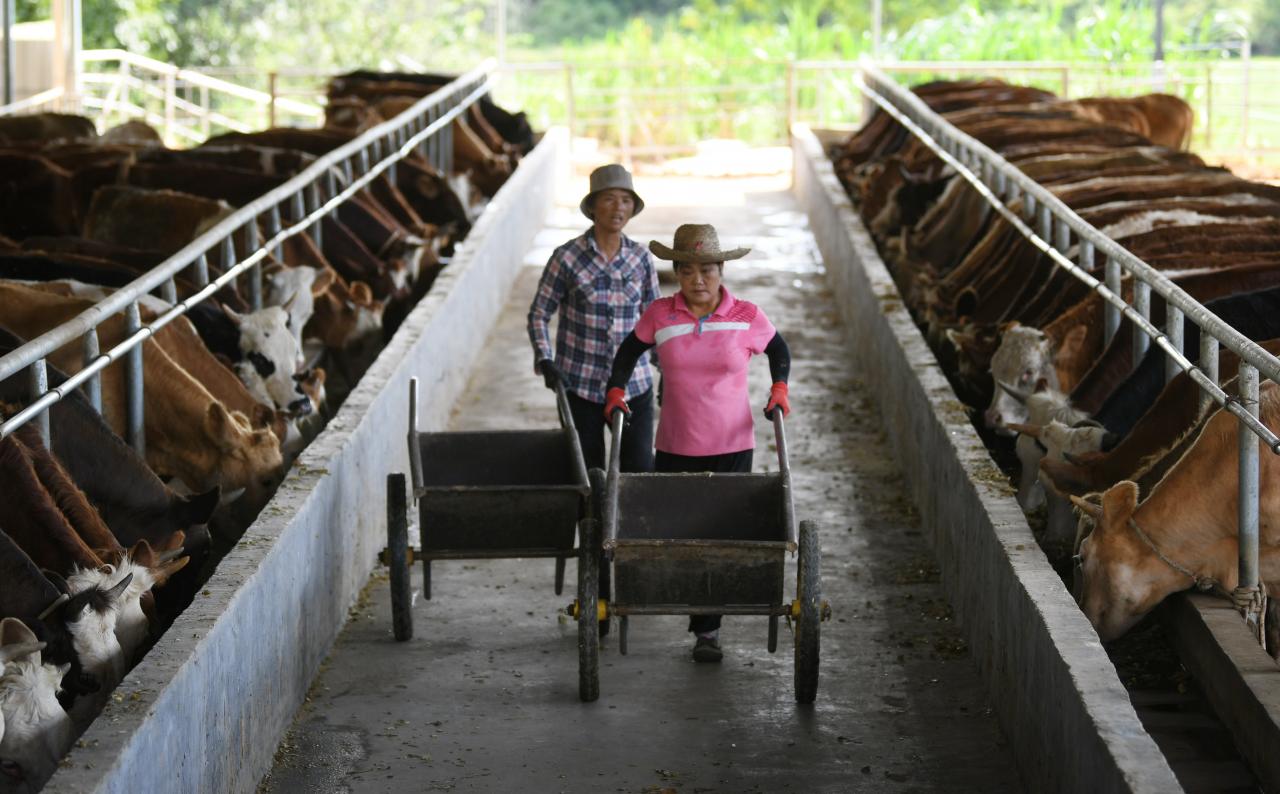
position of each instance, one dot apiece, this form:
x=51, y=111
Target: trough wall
x=1059, y=700
x=208, y=705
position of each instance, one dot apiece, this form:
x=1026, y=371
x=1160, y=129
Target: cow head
x=1052, y=442
x=1021, y=362
x=1121, y=580
x=291, y=288
x=271, y=354
x=248, y=460
x=37, y=732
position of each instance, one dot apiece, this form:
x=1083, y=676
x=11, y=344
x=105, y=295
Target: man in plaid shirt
x=600, y=282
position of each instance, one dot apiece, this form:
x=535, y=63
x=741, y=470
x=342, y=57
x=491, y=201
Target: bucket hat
x=605, y=177
x=697, y=243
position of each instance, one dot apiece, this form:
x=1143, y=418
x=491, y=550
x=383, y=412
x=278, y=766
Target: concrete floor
x=484, y=698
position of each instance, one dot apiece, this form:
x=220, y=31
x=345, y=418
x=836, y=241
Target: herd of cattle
x=1150, y=473
x=100, y=548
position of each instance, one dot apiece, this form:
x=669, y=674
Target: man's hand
x=550, y=375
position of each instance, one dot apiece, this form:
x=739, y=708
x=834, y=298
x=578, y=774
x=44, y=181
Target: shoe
x=707, y=649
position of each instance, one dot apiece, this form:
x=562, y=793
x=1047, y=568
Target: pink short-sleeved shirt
x=705, y=406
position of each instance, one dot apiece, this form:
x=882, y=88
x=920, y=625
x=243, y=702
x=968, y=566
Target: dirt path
x=484, y=698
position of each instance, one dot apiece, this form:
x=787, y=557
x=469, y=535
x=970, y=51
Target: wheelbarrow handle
x=611, y=484
x=569, y=427
x=415, y=450
x=784, y=468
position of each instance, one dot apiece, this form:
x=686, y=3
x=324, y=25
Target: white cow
x=1024, y=364
x=37, y=732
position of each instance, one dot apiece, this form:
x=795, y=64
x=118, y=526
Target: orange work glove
x=615, y=400
x=777, y=399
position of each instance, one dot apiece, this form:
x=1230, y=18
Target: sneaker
x=707, y=649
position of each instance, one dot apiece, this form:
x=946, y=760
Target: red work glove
x=615, y=400
x=777, y=399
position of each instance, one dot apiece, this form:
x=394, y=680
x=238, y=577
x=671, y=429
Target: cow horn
x=1089, y=508
x=1021, y=397
x=1086, y=423
x=1028, y=430
x=57, y=602
x=171, y=554
x=1072, y=459
x=118, y=588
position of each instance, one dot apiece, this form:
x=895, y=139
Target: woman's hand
x=615, y=400
x=777, y=399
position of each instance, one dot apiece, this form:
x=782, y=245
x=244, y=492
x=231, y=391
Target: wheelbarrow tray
x=699, y=540
x=499, y=493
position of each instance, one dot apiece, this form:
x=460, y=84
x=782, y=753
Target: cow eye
x=1078, y=561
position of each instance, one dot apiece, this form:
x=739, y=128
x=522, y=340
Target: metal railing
x=1001, y=183
x=185, y=105
x=288, y=210
x=52, y=99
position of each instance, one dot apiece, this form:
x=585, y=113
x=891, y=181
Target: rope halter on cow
x=1202, y=583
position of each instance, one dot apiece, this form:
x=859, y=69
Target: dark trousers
x=637, y=434
x=636, y=454
x=729, y=463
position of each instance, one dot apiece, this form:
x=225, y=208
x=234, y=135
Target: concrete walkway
x=484, y=698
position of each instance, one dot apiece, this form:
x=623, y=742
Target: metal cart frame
x=485, y=495
x=699, y=544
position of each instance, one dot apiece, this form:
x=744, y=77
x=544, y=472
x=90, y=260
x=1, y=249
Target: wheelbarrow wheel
x=588, y=626
x=559, y=575
x=809, y=594
x=398, y=558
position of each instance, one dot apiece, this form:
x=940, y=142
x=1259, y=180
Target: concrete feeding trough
x=207, y=707
x=1060, y=702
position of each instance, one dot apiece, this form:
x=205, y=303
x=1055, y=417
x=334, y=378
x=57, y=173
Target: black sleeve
x=625, y=361
x=779, y=358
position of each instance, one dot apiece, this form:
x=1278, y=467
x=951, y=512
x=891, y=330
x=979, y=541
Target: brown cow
x=1190, y=518
x=189, y=434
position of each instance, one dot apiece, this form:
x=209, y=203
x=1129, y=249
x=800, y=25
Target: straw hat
x=697, y=243
x=605, y=177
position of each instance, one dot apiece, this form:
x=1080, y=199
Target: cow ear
x=1119, y=502
x=142, y=553
x=263, y=415
x=360, y=292
x=1007, y=327
x=14, y=632
x=219, y=425
x=1041, y=385
x=324, y=280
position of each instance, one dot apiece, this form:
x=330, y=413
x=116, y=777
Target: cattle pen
x=266, y=676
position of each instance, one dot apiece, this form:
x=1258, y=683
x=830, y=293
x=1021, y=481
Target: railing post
x=1247, y=389
x=1111, y=313
x=271, y=103
x=255, y=270
x=273, y=228
x=169, y=292
x=1208, y=105
x=791, y=96
x=1173, y=326
x=1061, y=235
x=1208, y=365
x=201, y=267
x=317, y=229
x=93, y=388
x=1142, y=305
x=571, y=103
x=170, y=105
x=37, y=385
x=446, y=143
x=135, y=431
x=205, y=123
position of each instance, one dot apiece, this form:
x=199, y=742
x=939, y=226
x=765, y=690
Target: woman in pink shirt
x=703, y=338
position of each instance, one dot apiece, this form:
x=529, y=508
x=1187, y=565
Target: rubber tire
x=773, y=633
x=398, y=558
x=559, y=575
x=598, y=480
x=809, y=593
x=588, y=623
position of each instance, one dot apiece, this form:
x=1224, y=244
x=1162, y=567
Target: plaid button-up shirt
x=599, y=304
